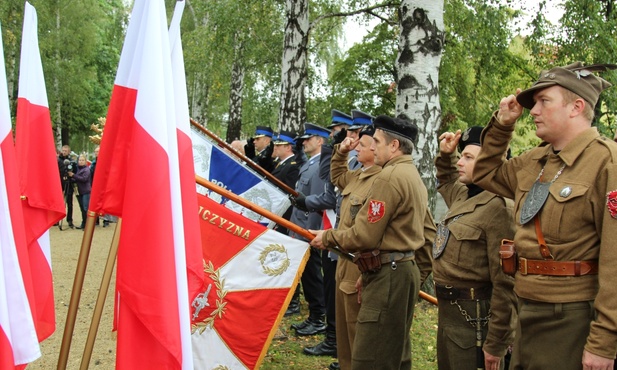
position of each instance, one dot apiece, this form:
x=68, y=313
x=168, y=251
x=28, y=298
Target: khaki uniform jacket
x=471, y=256
x=392, y=218
x=576, y=220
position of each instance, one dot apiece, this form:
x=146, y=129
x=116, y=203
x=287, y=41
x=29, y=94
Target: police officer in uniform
x=475, y=296
x=308, y=183
x=259, y=148
x=388, y=228
x=286, y=169
x=565, y=196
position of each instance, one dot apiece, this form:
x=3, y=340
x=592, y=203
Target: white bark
x=292, y=113
x=420, y=50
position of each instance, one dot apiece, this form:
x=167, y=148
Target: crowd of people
x=522, y=261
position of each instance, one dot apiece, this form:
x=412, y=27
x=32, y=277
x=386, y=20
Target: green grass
x=286, y=353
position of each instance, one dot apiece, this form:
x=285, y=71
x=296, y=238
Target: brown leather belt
x=389, y=257
x=557, y=268
x=451, y=293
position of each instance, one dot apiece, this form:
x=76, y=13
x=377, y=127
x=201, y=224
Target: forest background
x=280, y=62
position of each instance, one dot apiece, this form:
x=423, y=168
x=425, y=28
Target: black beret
x=575, y=77
x=471, y=136
x=398, y=126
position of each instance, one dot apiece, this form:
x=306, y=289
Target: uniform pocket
x=464, y=239
x=565, y=200
x=355, y=203
x=461, y=338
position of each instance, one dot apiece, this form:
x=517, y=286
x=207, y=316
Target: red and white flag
x=18, y=340
x=138, y=180
x=192, y=236
x=39, y=177
x=249, y=284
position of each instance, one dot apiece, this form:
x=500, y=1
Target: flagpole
x=78, y=284
x=100, y=300
x=246, y=159
x=283, y=222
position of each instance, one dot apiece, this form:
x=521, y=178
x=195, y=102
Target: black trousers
x=329, y=280
x=68, y=199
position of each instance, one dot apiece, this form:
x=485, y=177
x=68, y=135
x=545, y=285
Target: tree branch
x=369, y=10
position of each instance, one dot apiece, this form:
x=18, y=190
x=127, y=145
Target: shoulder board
x=294, y=162
x=610, y=145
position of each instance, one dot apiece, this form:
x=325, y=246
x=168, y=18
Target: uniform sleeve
x=447, y=175
x=339, y=172
x=503, y=319
x=492, y=172
x=424, y=255
x=602, y=339
x=365, y=235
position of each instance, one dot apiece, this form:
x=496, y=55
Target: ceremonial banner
x=39, y=177
x=251, y=275
x=138, y=179
x=225, y=170
x=18, y=340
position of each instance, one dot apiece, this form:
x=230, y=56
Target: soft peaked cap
x=575, y=77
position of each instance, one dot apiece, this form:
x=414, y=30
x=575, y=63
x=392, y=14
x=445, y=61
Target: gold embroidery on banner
x=274, y=259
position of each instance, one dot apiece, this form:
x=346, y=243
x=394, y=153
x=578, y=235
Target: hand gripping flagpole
x=244, y=158
x=283, y=222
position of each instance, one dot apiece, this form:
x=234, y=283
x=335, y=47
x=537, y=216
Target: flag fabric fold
x=39, y=178
x=138, y=180
x=249, y=283
x=18, y=339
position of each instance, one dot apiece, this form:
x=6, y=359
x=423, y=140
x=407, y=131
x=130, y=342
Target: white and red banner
x=18, y=340
x=192, y=235
x=39, y=177
x=251, y=275
x=138, y=179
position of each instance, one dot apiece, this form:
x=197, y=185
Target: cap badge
x=466, y=135
x=582, y=73
x=565, y=192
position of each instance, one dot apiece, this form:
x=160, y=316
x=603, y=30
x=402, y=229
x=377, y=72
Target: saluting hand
x=509, y=110
x=348, y=145
x=448, y=141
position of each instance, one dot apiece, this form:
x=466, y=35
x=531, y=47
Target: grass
x=286, y=353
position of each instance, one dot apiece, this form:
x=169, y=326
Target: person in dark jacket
x=82, y=179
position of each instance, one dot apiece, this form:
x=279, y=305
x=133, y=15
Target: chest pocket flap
x=462, y=231
x=567, y=192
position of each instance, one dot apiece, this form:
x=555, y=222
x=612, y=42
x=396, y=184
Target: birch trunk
x=235, y=96
x=420, y=50
x=292, y=113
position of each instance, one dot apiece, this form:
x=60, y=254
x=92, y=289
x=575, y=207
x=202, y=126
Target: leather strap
x=557, y=268
x=451, y=293
x=546, y=253
x=389, y=257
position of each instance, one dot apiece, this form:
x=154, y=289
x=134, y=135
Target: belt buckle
x=522, y=265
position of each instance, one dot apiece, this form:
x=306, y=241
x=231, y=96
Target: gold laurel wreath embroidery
x=220, y=303
x=284, y=265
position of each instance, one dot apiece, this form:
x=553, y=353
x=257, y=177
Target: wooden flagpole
x=244, y=158
x=283, y=222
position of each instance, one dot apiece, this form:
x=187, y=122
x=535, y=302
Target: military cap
x=284, y=137
x=360, y=119
x=575, y=77
x=314, y=130
x=397, y=126
x=340, y=118
x=471, y=136
x=263, y=131
x=367, y=130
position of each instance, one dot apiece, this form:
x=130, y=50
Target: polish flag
x=18, y=340
x=192, y=235
x=39, y=178
x=138, y=180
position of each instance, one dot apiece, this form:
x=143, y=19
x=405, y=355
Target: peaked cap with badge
x=360, y=119
x=314, y=130
x=284, y=137
x=263, y=131
x=340, y=118
x=575, y=77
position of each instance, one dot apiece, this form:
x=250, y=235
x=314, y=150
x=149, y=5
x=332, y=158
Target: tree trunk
x=420, y=50
x=235, y=96
x=62, y=133
x=292, y=114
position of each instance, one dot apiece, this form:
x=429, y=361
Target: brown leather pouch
x=508, y=257
x=368, y=261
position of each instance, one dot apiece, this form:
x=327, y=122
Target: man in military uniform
x=388, y=228
x=285, y=169
x=469, y=281
x=565, y=196
x=259, y=148
x=308, y=183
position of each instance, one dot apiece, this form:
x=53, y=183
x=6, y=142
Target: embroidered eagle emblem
x=376, y=210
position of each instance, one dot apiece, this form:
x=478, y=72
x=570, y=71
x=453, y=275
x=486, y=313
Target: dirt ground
x=65, y=251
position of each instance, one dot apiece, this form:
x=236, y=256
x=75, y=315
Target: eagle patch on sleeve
x=376, y=210
x=611, y=203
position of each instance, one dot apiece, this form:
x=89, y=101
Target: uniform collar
x=573, y=150
x=399, y=159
